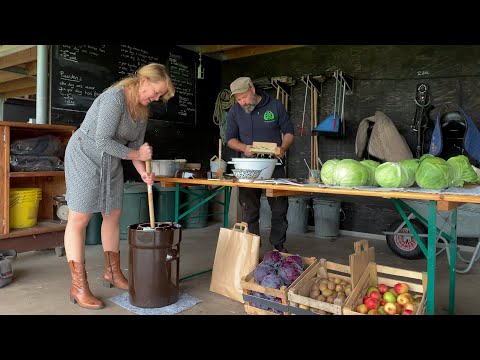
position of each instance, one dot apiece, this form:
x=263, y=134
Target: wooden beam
x=19, y=92
x=255, y=50
x=16, y=84
x=31, y=68
x=7, y=76
x=10, y=49
x=275, y=193
x=207, y=49
x=19, y=57
x=448, y=205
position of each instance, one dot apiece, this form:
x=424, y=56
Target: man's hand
x=248, y=151
x=280, y=152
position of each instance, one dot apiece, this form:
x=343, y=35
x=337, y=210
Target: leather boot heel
x=113, y=275
x=107, y=284
x=80, y=292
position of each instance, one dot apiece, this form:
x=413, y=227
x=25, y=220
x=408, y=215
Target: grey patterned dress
x=93, y=168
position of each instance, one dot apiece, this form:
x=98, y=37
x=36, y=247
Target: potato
x=327, y=292
x=321, y=298
x=331, y=285
x=322, y=287
x=330, y=299
x=339, y=288
x=314, y=293
x=337, y=281
x=305, y=307
x=348, y=291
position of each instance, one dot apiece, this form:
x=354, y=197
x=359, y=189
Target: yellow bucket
x=24, y=207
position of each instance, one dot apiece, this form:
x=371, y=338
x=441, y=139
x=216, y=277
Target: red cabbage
x=272, y=258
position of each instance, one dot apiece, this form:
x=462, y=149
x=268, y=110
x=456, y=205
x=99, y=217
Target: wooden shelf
x=20, y=174
x=42, y=227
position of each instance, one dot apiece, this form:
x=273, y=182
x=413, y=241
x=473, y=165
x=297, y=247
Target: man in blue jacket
x=256, y=116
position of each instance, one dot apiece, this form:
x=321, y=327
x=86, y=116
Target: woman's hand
x=145, y=152
x=148, y=178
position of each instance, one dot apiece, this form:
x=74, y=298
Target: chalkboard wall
x=81, y=72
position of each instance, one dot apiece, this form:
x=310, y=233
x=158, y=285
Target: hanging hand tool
x=304, y=106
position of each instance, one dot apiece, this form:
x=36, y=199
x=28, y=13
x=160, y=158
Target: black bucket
x=153, y=264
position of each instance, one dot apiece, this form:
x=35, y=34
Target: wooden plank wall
x=385, y=79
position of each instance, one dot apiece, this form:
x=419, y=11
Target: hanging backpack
x=6, y=270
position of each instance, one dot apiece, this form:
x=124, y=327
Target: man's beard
x=248, y=108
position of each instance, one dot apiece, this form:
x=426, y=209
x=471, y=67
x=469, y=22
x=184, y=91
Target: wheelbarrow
x=404, y=244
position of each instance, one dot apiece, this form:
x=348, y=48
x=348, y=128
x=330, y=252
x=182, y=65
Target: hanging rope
x=222, y=104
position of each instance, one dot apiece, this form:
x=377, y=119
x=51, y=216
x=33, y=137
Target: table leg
x=177, y=201
x=226, y=206
x=453, y=261
x=431, y=256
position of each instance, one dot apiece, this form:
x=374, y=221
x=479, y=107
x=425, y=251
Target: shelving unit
x=47, y=233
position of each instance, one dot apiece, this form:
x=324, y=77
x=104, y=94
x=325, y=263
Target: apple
x=409, y=306
x=390, y=308
x=381, y=310
x=392, y=291
x=389, y=297
x=371, y=303
x=382, y=288
x=365, y=298
x=374, y=312
x=382, y=302
x=376, y=295
x=400, y=288
x=362, y=309
x=370, y=289
x=406, y=312
x=402, y=299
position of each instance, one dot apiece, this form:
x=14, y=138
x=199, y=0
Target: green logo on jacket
x=268, y=116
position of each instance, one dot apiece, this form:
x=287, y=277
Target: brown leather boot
x=113, y=275
x=80, y=292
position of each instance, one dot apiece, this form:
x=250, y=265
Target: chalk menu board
x=82, y=72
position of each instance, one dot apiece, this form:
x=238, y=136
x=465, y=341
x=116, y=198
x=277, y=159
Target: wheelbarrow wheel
x=403, y=243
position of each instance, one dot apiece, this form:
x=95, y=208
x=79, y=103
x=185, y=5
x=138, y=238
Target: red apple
x=406, y=312
x=370, y=289
x=365, y=298
x=400, y=288
x=409, y=306
x=362, y=309
x=376, y=295
x=371, y=303
x=382, y=288
x=382, y=302
x=390, y=308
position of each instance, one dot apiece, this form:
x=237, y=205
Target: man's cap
x=240, y=85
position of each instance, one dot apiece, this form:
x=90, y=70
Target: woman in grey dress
x=113, y=129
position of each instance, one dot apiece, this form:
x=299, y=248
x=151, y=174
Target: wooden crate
x=298, y=293
x=375, y=274
x=249, y=285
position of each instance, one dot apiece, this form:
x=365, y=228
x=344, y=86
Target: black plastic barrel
x=154, y=264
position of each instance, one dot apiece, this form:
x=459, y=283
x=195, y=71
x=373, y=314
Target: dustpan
x=329, y=126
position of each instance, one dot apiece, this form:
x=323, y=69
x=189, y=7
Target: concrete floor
x=41, y=278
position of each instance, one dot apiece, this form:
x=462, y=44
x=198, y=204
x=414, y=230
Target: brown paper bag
x=236, y=256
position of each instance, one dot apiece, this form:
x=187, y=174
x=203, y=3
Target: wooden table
x=436, y=201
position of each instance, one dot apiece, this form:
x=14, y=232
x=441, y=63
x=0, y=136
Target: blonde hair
x=152, y=72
